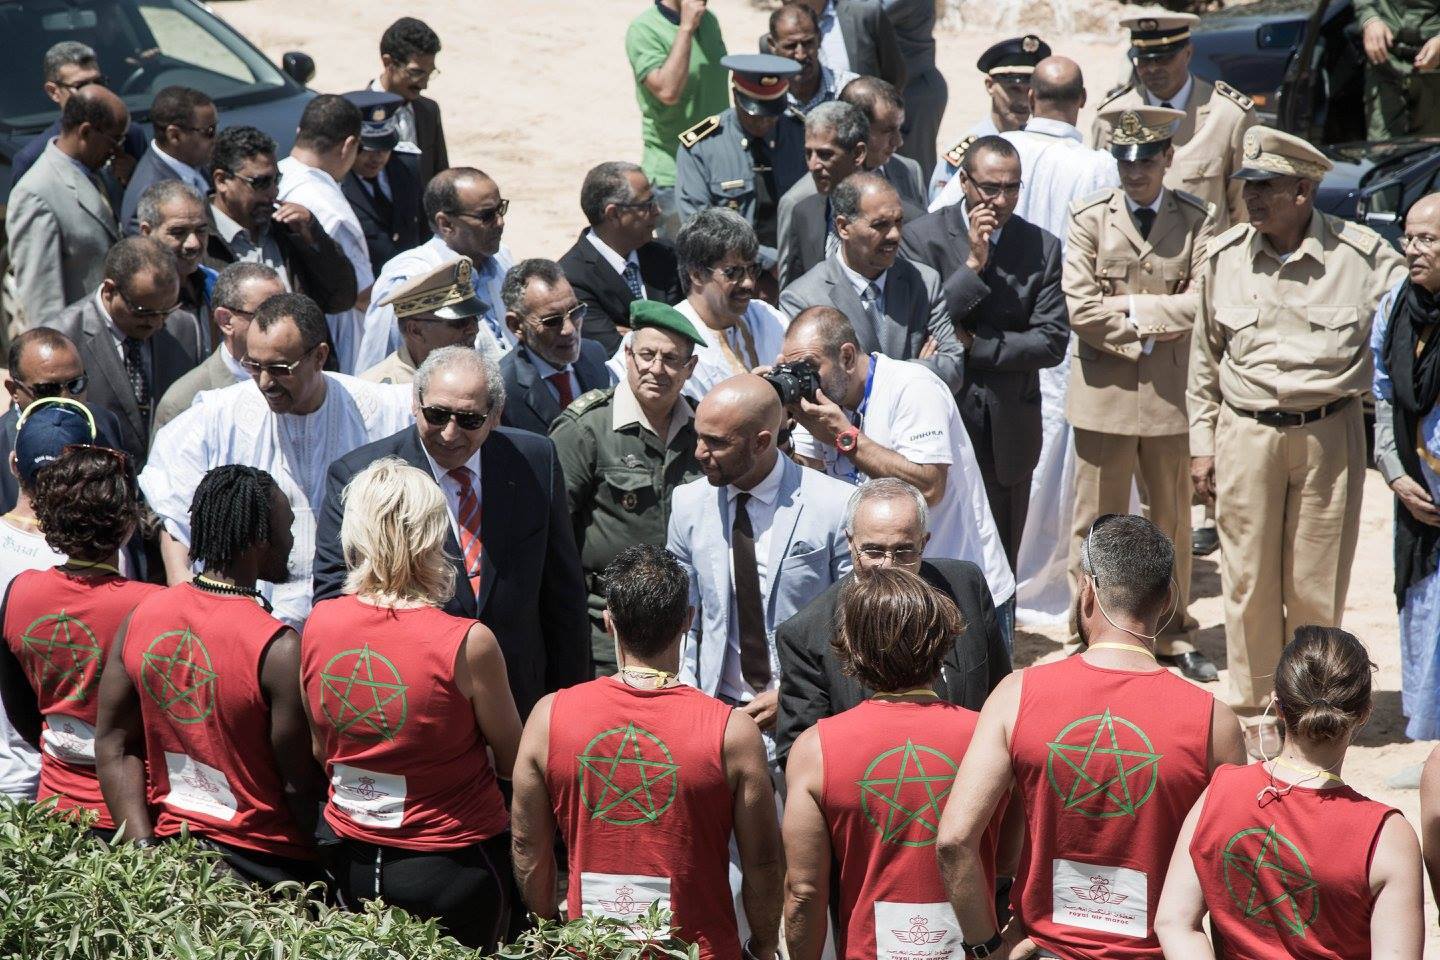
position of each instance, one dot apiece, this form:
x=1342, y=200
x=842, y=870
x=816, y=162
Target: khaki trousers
x=1106, y=464
x=1288, y=513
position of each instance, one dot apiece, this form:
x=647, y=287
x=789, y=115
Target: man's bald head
x=747, y=401
x=825, y=327
x=1426, y=210
x=735, y=429
x=1057, y=89
x=93, y=123
x=1423, y=252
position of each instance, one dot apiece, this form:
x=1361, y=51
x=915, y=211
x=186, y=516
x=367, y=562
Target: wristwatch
x=847, y=440
x=979, y=951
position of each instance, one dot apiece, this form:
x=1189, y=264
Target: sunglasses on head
x=465, y=420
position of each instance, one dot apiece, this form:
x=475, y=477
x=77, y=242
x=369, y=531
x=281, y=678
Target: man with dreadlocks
x=206, y=683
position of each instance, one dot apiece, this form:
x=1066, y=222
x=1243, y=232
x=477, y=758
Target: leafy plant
x=602, y=938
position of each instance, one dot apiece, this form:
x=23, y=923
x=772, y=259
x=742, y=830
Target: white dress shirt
x=451, y=488
x=763, y=499
x=832, y=40
x=617, y=262
x=184, y=171
x=1177, y=102
x=548, y=370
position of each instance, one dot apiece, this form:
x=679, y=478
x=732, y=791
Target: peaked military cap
x=1140, y=132
x=444, y=293
x=1271, y=153
x=379, y=129
x=1155, y=35
x=760, y=82
x=1014, y=57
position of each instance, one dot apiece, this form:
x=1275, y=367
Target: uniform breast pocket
x=629, y=491
x=1240, y=326
x=1114, y=277
x=1176, y=274
x=734, y=194
x=1337, y=331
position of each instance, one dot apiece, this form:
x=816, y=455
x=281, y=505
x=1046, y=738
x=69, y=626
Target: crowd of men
x=770, y=449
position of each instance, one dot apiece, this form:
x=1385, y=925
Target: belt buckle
x=1272, y=418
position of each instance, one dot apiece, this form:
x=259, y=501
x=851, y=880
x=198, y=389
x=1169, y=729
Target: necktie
x=1168, y=105
x=754, y=647
x=633, y=281
x=560, y=380
x=468, y=514
x=870, y=300
x=383, y=207
x=1144, y=220
x=135, y=370
x=98, y=183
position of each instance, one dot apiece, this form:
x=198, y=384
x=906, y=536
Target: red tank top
x=60, y=627
x=1287, y=876
x=889, y=768
x=637, y=778
x=406, y=759
x=1109, y=763
x=195, y=657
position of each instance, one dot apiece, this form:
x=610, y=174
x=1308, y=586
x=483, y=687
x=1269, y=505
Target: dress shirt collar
x=85, y=171
x=442, y=476
x=545, y=368
x=1059, y=129
x=1132, y=206
x=827, y=15
x=766, y=491
x=1180, y=101
x=183, y=170
x=616, y=261
x=856, y=280
x=115, y=332
x=625, y=410
x=965, y=215
x=1311, y=245
x=233, y=365
x=229, y=229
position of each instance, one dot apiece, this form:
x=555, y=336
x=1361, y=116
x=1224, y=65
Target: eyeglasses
x=651, y=204
x=741, y=271
x=465, y=420
x=992, y=190
x=900, y=555
x=101, y=79
x=117, y=140
x=487, y=217
x=263, y=182
x=144, y=313
x=555, y=321
x=420, y=73
x=644, y=359
x=1422, y=241
x=42, y=391
x=207, y=132
x=275, y=368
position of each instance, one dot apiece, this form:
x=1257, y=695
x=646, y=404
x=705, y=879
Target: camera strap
x=869, y=384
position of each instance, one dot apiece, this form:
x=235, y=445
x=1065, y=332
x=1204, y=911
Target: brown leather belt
x=1285, y=418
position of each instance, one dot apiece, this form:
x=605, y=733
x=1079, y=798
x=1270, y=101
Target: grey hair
x=847, y=121
x=845, y=198
x=708, y=236
x=606, y=184
x=160, y=195
x=1132, y=563
x=467, y=359
x=66, y=53
x=234, y=277
x=518, y=277
x=886, y=488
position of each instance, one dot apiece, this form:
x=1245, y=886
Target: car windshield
x=142, y=46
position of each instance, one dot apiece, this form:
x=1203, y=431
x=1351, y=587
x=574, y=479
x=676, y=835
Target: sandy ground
x=525, y=103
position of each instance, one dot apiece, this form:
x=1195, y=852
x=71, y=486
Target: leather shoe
x=1194, y=665
x=1204, y=541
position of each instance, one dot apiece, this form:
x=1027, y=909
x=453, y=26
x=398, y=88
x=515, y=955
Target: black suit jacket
x=174, y=352
x=107, y=430
x=322, y=272
x=529, y=405
x=404, y=228
x=604, y=292
x=532, y=593
x=1016, y=310
x=813, y=685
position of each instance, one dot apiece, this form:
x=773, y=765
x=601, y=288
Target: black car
x=1303, y=64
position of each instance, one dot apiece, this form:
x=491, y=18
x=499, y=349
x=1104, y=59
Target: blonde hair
x=393, y=535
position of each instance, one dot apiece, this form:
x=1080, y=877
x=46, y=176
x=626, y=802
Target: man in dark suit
x=185, y=127
x=1001, y=277
x=526, y=585
x=885, y=525
x=134, y=342
x=617, y=259
x=407, y=62
x=866, y=33
x=551, y=365
x=383, y=190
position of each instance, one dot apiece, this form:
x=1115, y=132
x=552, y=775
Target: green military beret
x=653, y=313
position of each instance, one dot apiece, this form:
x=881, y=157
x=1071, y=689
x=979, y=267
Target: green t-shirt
x=707, y=90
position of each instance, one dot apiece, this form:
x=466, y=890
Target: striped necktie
x=468, y=514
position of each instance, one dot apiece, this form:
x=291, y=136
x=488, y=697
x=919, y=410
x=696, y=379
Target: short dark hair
x=442, y=193
x=708, y=236
x=605, y=184
x=1131, y=562
x=134, y=256
x=235, y=145
x=990, y=144
x=648, y=594
x=845, y=198
x=893, y=630
x=327, y=122
x=792, y=8
x=407, y=38
x=229, y=514
x=176, y=105
x=86, y=107
x=518, y=277
x=300, y=310
x=36, y=337
x=233, y=279
x=86, y=502
x=868, y=93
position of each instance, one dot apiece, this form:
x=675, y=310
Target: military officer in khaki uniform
x=1208, y=140
x=1132, y=253
x=1278, y=362
x=626, y=449
x=436, y=309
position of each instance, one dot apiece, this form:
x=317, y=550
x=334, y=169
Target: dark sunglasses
x=487, y=217
x=207, y=132
x=263, y=182
x=440, y=416
x=742, y=271
x=145, y=313
x=276, y=369
x=43, y=391
x=555, y=321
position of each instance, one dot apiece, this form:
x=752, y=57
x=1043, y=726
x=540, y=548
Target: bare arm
x=120, y=745
x=1179, y=916
x=667, y=82
x=807, y=850
x=481, y=676
x=825, y=420
x=1227, y=740
x=301, y=779
x=1430, y=817
x=1397, y=928
x=176, y=557
x=532, y=820
x=757, y=833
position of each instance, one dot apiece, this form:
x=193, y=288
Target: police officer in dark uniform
x=624, y=451
x=748, y=156
x=383, y=190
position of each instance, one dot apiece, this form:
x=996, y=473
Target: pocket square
x=799, y=548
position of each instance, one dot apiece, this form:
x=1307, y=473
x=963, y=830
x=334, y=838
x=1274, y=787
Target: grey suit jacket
x=60, y=228
x=870, y=41
x=914, y=312
x=149, y=170
x=174, y=351
x=212, y=374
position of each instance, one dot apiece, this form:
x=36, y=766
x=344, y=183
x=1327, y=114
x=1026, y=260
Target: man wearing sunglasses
x=1208, y=141
x=435, y=310
x=184, y=121
x=553, y=364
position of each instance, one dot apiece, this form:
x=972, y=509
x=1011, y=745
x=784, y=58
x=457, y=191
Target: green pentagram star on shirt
x=1102, y=766
x=177, y=673
x=67, y=655
x=909, y=785
x=627, y=776
x=1270, y=880
x=363, y=695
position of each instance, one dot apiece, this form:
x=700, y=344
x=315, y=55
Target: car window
x=142, y=46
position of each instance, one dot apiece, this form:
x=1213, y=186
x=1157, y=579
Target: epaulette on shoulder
x=1223, y=240
x=1360, y=237
x=1094, y=199
x=1230, y=93
x=700, y=131
x=1204, y=205
x=1115, y=94
x=586, y=402
x=955, y=156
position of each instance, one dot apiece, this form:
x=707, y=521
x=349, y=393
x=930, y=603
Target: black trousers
x=466, y=890
x=266, y=869
x=1009, y=504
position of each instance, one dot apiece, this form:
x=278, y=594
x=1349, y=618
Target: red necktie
x=469, y=517
x=561, y=382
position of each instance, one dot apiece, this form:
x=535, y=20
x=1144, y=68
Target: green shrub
x=64, y=895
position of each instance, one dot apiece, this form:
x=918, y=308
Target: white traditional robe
x=764, y=324
x=235, y=425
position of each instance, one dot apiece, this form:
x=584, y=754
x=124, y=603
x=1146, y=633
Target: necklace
x=1117, y=645
x=92, y=565
x=914, y=692
x=662, y=678
x=215, y=586
x=23, y=521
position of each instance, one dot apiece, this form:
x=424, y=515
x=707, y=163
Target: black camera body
x=795, y=381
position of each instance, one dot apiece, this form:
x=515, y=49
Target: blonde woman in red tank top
x=1286, y=858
